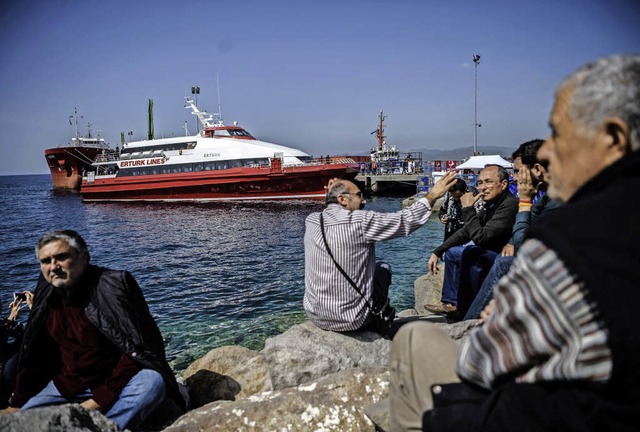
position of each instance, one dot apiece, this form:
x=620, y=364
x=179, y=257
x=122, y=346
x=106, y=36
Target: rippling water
x=213, y=274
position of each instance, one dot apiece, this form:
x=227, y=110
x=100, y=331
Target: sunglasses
x=358, y=194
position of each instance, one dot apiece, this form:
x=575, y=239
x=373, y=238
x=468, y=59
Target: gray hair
x=607, y=87
x=502, y=172
x=339, y=188
x=71, y=237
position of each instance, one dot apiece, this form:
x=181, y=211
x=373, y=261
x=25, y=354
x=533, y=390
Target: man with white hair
x=558, y=350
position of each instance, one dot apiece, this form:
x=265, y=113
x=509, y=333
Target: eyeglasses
x=358, y=194
x=488, y=183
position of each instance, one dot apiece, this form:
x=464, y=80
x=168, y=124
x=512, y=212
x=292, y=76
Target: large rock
x=59, y=418
x=305, y=353
x=227, y=373
x=334, y=403
x=428, y=290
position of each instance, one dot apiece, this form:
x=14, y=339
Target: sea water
x=213, y=274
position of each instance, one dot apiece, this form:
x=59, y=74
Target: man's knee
x=153, y=382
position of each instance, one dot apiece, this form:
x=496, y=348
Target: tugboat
x=220, y=163
x=67, y=162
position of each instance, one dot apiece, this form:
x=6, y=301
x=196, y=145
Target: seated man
x=450, y=213
x=488, y=228
x=331, y=301
x=90, y=339
x=476, y=283
x=558, y=350
x=534, y=201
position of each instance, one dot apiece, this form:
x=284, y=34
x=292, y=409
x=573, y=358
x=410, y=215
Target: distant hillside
x=463, y=153
x=457, y=153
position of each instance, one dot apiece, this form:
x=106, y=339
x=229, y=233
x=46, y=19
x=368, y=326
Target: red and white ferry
x=220, y=163
x=67, y=162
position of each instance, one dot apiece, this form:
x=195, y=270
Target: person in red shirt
x=90, y=339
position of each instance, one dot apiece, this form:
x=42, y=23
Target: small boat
x=67, y=162
x=220, y=163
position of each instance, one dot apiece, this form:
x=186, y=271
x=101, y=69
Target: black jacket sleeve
x=492, y=234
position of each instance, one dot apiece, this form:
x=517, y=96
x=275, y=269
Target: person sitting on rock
x=488, y=228
x=90, y=339
x=475, y=292
x=11, y=328
x=450, y=213
x=343, y=283
x=558, y=351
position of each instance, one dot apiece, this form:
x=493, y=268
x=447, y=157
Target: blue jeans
x=142, y=394
x=452, y=274
x=500, y=268
x=475, y=264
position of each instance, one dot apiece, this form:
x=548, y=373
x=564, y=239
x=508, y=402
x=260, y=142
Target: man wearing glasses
x=343, y=282
x=489, y=228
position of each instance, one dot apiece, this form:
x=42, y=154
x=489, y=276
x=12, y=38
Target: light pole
x=195, y=90
x=476, y=61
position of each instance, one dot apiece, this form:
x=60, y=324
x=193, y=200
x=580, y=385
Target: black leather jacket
x=118, y=310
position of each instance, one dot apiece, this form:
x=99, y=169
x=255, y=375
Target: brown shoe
x=441, y=308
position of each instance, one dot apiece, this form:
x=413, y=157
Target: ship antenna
x=219, y=104
x=75, y=119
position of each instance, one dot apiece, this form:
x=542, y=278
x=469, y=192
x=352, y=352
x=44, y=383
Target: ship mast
x=380, y=134
x=75, y=120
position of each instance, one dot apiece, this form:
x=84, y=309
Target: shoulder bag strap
x=346, y=276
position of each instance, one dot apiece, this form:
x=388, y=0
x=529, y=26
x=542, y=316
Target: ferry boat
x=67, y=162
x=221, y=162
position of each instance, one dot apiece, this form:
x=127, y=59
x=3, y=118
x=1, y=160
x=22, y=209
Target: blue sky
x=310, y=74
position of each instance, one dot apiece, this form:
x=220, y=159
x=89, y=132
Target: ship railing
x=107, y=156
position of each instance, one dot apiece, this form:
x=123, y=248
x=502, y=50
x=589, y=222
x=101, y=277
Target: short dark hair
x=459, y=186
x=529, y=152
x=74, y=240
x=502, y=172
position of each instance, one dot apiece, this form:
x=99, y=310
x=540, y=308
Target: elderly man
x=559, y=349
x=90, y=339
x=343, y=283
x=487, y=228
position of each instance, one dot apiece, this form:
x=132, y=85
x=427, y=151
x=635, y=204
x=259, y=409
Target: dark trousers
x=475, y=263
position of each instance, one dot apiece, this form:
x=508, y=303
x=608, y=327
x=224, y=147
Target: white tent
x=479, y=162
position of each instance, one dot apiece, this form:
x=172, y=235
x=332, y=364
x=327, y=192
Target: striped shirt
x=543, y=328
x=329, y=300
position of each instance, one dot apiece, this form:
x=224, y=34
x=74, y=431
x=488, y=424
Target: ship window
x=209, y=166
x=154, y=170
x=187, y=167
x=221, y=132
x=235, y=163
x=222, y=165
x=198, y=166
x=191, y=145
x=176, y=168
x=166, y=169
x=239, y=132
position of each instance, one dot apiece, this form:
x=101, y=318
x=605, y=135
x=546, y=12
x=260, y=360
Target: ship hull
x=66, y=165
x=259, y=183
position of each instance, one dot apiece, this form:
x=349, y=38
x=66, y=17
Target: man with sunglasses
x=343, y=282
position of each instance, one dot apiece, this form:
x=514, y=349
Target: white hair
x=607, y=87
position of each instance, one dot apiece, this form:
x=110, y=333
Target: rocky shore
x=305, y=379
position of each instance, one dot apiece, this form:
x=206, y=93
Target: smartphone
x=20, y=296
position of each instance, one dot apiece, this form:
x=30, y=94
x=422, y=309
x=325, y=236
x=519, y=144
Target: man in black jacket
x=90, y=339
x=558, y=350
x=488, y=228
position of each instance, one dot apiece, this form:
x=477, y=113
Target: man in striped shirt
x=330, y=301
x=559, y=348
